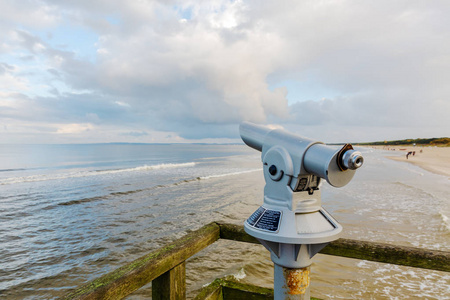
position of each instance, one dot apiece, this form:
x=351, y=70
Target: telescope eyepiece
x=352, y=159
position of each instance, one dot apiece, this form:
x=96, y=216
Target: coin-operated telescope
x=291, y=223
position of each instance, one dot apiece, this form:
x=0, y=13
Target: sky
x=169, y=71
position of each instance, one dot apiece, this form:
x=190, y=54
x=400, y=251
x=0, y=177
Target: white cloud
x=123, y=104
x=196, y=69
x=34, y=14
x=11, y=82
x=74, y=128
x=231, y=65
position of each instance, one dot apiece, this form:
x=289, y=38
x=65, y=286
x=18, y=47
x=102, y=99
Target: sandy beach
x=433, y=159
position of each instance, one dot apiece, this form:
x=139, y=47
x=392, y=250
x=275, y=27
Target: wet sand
x=432, y=159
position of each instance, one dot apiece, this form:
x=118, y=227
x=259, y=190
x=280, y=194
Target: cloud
x=218, y=80
x=9, y=81
x=135, y=133
x=35, y=14
x=194, y=70
x=74, y=128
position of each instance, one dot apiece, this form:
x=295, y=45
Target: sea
x=71, y=213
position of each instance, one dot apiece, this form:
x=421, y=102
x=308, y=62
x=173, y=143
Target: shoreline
x=432, y=159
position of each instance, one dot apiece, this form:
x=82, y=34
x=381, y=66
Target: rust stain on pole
x=297, y=280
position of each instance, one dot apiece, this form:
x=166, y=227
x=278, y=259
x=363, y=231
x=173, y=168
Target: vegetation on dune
x=442, y=142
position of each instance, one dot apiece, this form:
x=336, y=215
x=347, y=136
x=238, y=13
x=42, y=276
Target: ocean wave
x=445, y=220
x=122, y=193
x=79, y=201
x=11, y=170
x=148, y=168
x=240, y=274
x=129, y=192
x=229, y=174
x=80, y=174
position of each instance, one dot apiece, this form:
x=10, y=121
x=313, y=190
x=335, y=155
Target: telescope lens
x=359, y=161
x=352, y=159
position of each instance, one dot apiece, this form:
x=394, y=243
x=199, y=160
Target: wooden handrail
x=166, y=266
x=379, y=252
x=127, y=279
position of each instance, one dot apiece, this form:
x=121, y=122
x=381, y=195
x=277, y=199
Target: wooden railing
x=166, y=267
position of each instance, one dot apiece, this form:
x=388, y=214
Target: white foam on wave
x=445, y=220
x=240, y=274
x=229, y=174
x=47, y=177
x=147, y=168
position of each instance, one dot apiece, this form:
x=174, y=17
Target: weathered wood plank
x=127, y=279
x=379, y=252
x=241, y=291
x=236, y=233
x=211, y=292
x=399, y=255
x=170, y=285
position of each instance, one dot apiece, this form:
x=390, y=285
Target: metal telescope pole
x=291, y=283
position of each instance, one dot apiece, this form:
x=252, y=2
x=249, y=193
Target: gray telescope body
x=336, y=166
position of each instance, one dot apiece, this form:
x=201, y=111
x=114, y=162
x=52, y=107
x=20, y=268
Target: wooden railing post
x=170, y=285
